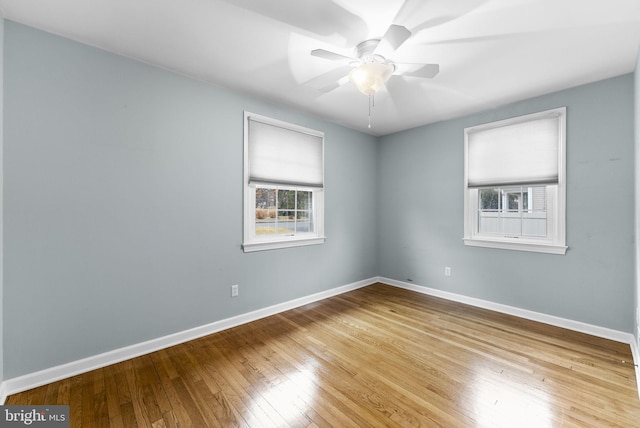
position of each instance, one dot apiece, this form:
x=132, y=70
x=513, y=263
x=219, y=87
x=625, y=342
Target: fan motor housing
x=366, y=48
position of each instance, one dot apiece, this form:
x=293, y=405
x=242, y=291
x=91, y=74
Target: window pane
x=265, y=214
x=513, y=201
x=265, y=211
x=489, y=199
x=286, y=222
x=265, y=198
x=501, y=213
x=286, y=199
x=304, y=200
x=286, y=215
x=538, y=198
x=534, y=217
x=304, y=222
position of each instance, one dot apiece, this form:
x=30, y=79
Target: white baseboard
x=53, y=374
x=636, y=362
x=3, y=392
x=581, y=327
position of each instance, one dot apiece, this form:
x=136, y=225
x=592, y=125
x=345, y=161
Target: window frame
x=555, y=242
x=258, y=242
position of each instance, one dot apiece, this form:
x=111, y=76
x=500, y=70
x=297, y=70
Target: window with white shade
x=514, y=194
x=283, y=184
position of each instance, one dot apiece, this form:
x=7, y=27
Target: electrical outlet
x=234, y=290
x=447, y=271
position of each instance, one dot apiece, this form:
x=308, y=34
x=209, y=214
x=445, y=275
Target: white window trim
x=253, y=242
x=556, y=198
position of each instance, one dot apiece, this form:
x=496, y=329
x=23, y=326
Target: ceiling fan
x=371, y=66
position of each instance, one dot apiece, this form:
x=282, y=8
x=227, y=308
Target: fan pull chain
x=372, y=103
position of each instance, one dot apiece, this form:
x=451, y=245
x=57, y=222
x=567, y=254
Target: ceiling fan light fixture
x=370, y=77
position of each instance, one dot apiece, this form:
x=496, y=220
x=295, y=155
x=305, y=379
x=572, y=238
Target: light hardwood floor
x=377, y=356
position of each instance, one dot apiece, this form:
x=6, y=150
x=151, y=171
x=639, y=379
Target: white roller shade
x=514, y=154
x=280, y=155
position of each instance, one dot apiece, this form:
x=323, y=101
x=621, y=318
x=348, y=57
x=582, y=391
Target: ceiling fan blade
x=395, y=36
x=331, y=56
x=412, y=12
x=330, y=80
x=328, y=88
x=426, y=71
x=408, y=8
x=321, y=17
x=399, y=89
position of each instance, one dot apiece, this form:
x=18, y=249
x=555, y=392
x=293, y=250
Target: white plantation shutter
x=285, y=155
x=516, y=153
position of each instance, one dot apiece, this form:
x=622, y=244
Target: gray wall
x=637, y=198
x=1, y=195
x=123, y=205
x=421, y=208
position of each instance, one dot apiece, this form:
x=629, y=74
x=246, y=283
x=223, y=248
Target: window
x=514, y=194
x=283, y=184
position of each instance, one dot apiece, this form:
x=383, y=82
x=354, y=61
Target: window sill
x=536, y=247
x=274, y=245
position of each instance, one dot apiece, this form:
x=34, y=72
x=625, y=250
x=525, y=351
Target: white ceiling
x=490, y=52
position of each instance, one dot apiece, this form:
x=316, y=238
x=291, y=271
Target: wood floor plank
x=237, y=388
x=178, y=415
x=75, y=401
x=113, y=398
x=51, y=392
x=377, y=356
x=222, y=404
x=64, y=391
x=142, y=402
x=129, y=415
x=195, y=412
